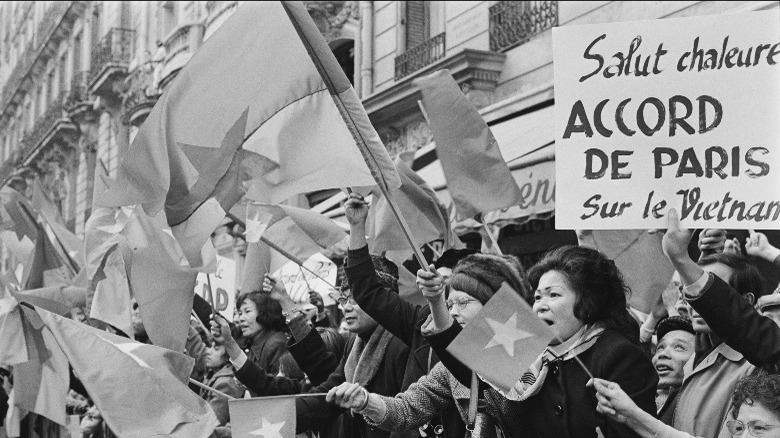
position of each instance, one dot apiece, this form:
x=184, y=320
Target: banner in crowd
x=676, y=113
x=223, y=283
x=298, y=281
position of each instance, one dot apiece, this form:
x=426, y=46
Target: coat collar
x=721, y=350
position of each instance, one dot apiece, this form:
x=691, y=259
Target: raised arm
x=385, y=306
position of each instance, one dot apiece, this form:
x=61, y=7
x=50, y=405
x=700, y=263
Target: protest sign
x=676, y=113
x=298, y=281
x=223, y=283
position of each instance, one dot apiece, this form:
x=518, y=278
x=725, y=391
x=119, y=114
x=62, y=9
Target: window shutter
x=417, y=23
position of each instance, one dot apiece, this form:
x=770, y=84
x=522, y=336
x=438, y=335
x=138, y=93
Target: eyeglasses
x=461, y=302
x=756, y=428
x=344, y=299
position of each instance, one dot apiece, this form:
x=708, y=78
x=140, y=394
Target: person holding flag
x=581, y=295
x=440, y=390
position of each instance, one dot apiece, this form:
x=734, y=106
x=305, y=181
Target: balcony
x=54, y=26
x=140, y=96
x=110, y=58
x=180, y=45
x=513, y=23
x=419, y=56
x=53, y=126
x=78, y=101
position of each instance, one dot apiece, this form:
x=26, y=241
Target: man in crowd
x=675, y=348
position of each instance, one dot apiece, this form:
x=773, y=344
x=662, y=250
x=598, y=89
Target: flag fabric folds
x=13, y=347
x=299, y=232
x=295, y=138
x=502, y=340
x=630, y=249
x=140, y=389
x=427, y=218
x=57, y=299
x=263, y=417
x=477, y=176
x=45, y=266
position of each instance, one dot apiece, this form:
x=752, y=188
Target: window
x=63, y=72
x=77, y=66
x=418, y=16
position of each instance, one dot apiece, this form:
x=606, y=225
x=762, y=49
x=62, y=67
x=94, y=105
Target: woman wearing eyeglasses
x=581, y=295
x=474, y=281
x=755, y=411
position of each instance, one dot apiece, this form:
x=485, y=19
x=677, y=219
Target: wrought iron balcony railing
x=44, y=124
x=419, y=56
x=514, y=22
x=114, y=50
x=79, y=89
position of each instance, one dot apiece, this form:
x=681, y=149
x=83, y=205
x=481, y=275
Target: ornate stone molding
x=476, y=71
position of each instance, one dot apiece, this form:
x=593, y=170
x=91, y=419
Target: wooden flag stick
x=287, y=255
x=294, y=260
x=211, y=297
x=492, y=238
x=308, y=286
x=208, y=388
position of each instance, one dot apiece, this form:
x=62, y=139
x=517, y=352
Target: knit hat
x=386, y=270
x=673, y=323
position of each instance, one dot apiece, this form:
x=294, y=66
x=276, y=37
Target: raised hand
x=316, y=299
x=356, y=209
x=431, y=283
x=220, y=329
x=275, y=288
x=676, y=239
x=712, y=240
x=758, y=245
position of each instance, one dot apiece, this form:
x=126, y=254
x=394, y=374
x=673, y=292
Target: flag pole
x=294, y=260
x=284, y=253
x=211, y=297
x=492, y=237
x=208, y=388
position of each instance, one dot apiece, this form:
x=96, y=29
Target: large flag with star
x=140, y=389
x=477, y=176
x=502, y=340
x=264, y=417
x=272, y=123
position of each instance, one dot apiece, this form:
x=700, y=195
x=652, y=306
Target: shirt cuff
x=357, y=256
x=695, y=289
x=240, y=361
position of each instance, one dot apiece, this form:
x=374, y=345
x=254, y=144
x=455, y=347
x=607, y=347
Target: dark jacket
x=265, y=348
x=222, y=380
x=316, y=413
x=564, y=407
x=403, y=320
x=321, y=365
x=666, y=413
x=737, y=323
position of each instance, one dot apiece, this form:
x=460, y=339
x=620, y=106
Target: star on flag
x=278, y=419
x=506, y=334
x=269, y=430
x=509, y=322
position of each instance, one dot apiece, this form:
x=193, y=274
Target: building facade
x=77, y=78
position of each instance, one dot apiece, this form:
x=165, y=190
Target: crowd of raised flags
x=103, y=336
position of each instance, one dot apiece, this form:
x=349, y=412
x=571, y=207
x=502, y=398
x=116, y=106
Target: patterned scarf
x=532, y=380
x=365, y=357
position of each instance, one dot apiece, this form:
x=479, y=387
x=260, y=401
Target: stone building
x=79, y=77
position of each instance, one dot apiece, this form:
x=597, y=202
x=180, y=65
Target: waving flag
x=502, y=340
x=273, y=122
x=140, y=389
x=263, y=417
x=477, y=176
x=427, y=217
x=629, y=249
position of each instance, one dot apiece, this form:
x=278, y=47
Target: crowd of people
x=705, y=362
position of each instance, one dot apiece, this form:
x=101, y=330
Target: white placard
x=675, y=113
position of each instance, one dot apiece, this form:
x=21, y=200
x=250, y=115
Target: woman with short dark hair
x=581, y=295
x=261, y=323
